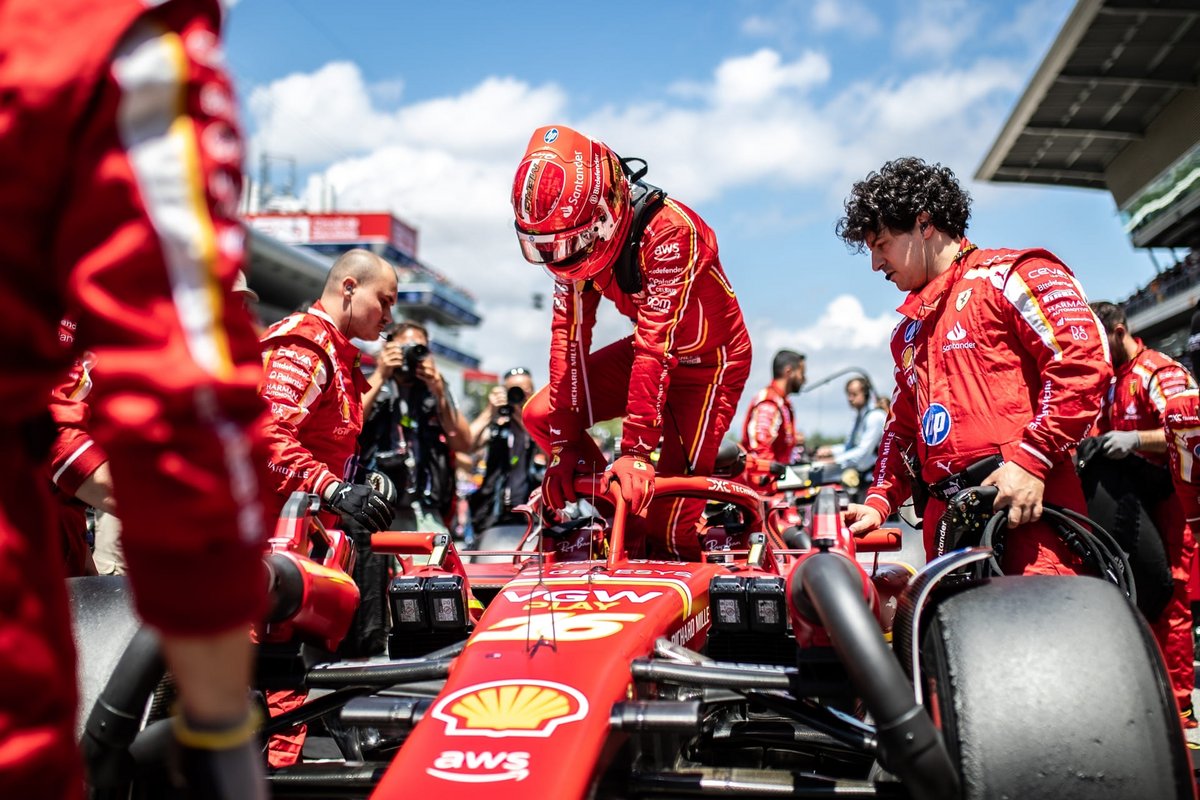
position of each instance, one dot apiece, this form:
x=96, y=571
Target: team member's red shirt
x=313, y=383
x=1181, y=421
x=999, y=354
x=1138, y=397
x=74, y=455
x=686, y=313
x=769, y=432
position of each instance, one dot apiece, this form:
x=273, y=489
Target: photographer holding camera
x=413, y=429
x=514, y=464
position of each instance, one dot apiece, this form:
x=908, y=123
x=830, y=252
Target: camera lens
x=516, y=395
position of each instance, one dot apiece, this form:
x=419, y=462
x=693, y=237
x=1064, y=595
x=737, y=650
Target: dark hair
x=893, y=197
x=407, y=325
x=783, y=360
x=1111, y=315
x=866, y=385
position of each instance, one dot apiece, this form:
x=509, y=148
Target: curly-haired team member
x=677, y=378
x=998, y=354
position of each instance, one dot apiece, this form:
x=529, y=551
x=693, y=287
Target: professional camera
x=516, y=396
x=413, y=354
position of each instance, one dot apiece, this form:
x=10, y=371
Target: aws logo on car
x=499, y=709
x=475, y=766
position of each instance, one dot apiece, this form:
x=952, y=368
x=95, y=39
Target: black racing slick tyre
x=1052, y=687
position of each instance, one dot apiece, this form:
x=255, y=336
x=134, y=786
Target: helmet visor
x=553, y=248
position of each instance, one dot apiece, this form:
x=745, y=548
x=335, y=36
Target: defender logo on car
x=500, y=709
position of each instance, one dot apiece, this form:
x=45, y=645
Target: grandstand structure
x=1115, y=106
x=290, y=253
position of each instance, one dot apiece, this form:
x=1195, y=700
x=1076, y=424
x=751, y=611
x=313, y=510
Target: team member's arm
x=1166, y=382
x=78, y=467
x=295, y=374
x=1048, y=310
x=570, y=343
x=765, y=422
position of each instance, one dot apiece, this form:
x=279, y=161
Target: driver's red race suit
x=1137, y=401
x=1000, y=354
x=678, y=378
x=119, y=181
x=769, y=435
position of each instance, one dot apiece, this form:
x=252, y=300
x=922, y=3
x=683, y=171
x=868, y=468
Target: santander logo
x=957, y=333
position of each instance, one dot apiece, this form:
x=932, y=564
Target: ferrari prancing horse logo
x=963, y=297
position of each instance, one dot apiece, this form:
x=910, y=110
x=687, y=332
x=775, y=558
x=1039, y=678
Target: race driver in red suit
x=119, y=179
x=998, y=354
x=1133, y=423
x=678, y=378
x=769, y=433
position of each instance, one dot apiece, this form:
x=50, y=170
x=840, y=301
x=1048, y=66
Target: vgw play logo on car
x=935, y=424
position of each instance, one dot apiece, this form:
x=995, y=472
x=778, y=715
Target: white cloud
x=934, y=29
x=843, y=335
x=763, y=77
x=829, y=15
x=446, y=166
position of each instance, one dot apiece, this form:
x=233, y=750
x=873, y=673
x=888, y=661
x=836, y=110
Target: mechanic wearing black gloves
x=312, y=381
x=359, y=502
x=314, y=388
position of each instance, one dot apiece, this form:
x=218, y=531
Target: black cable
x=1095, y=547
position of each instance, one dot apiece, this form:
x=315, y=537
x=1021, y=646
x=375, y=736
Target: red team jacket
x=1137, y=399
x=685, y=314
x=999, y=354
x=769, y=432
x=314, y=386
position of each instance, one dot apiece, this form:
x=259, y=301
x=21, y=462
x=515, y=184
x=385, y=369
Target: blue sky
x=757, y=113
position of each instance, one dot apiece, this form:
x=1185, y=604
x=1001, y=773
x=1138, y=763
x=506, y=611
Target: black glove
x=361, y=503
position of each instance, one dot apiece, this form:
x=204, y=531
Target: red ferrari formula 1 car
x=566, y=669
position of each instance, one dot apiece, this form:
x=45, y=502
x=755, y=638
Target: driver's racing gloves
x=635, y=478
x=361, y=503
x=558, y=484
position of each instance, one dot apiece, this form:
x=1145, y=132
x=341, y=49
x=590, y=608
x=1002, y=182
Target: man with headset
x=1000, y=364
x=859, y=451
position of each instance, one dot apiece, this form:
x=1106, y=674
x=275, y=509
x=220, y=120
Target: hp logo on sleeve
x=935, y=424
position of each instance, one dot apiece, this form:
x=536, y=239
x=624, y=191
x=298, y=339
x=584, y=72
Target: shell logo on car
x=500, y=709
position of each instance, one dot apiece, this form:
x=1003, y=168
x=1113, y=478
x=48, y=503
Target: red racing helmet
x=571, y=201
